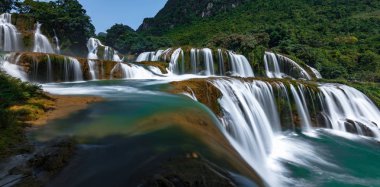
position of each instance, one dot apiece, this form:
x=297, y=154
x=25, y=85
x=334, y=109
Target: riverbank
x=35, y=111
x=64, y=106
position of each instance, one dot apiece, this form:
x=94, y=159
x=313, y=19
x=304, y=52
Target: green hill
x=339, y=37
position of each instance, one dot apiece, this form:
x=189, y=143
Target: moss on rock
x=204, y=91
x=160, y=65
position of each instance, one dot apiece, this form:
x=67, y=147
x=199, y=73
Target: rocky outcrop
x=202, y=89
x=160, y=65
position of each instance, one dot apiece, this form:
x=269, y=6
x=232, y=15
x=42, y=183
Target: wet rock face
x=55, y=156
x=358, y=128
x=45, y=163
x=204, y=91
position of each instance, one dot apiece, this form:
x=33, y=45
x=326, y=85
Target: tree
x=67, y=18
x=116, y=32
x=6, y=5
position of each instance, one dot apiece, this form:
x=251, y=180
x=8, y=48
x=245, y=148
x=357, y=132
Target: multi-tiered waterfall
x=253, y=115
x=254, y=112
x=9, y=39
x=202, y=61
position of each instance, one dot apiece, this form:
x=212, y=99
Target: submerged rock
x=189, y=170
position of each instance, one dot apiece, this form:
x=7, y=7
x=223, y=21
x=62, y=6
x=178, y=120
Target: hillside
x=178, y=12
x=339, y=38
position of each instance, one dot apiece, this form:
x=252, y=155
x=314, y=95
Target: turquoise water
x=114, y=146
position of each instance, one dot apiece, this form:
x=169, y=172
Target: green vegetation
x=14, y=92
x=6, y=5
x=126, y=40
x=340, y=38
x=65, y=18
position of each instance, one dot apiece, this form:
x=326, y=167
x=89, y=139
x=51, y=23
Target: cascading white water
x=240, y=65
x=272, y=67
x=250, y=121
x=165, y=54
x=132, y=71
x=156, y=57
x=72, y=70
x=274, y=62
x=145, y=56
x=57, y=46
x=49, y=72
x=193, y=60
x=11, y=69
x=155, y=70
x=302, y=108
x=9, y=40
x=221, y=62
x=152, y=56
x=173, y=65
x=316, y=72
x=92, y=46
x=342, y=103
x=41, y=42
x=208, y=61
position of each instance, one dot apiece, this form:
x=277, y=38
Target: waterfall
x=153, y=56
x=272, y=67
x=240, y=65
x=57, y=47
x=208, y=61
x=302, y=108
x=92, y=46
x=193, y=60
x=316, y=72
x=92, y=68
x=72, y=70
x=279, y=66
x=11, y=69
x=132, y=71
x=250, y=121
x=343, y=104
x=165, y=54
x=41, y=42
x=155, y=70
x=9, y=40
x=156, y=57
x=251, y=116
x=221, y=62
x=145, y=56
x=49, y=72
x=173, y=65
